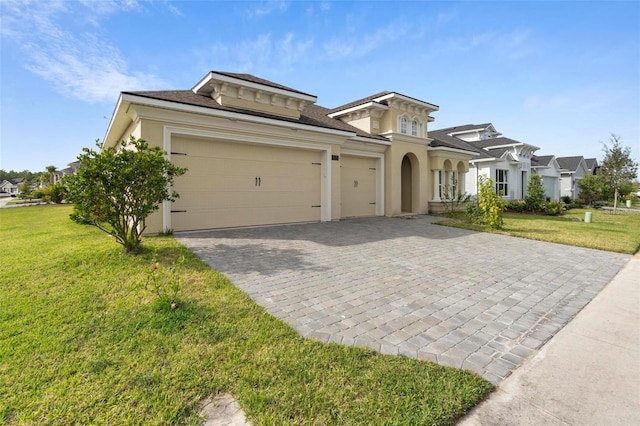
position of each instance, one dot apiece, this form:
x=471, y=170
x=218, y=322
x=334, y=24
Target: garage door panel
x=220, y=188
x=358, y=186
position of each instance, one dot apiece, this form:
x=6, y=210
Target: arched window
x=403, y=125
x=414, y=128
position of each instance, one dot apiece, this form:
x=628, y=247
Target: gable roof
x=442, y=139
x=466, y=127
x=591, y=163
x=541, y=160
x=359, y=102
x=496, y=142
x=569, y=163
x=253, y=79
x=382, y=99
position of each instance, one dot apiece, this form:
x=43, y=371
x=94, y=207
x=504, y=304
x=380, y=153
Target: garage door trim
x=379, y=175
x=325, y=179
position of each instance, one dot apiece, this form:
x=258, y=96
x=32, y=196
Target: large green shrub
x=57, y=193
x=535, y=199
x=117, y=188
x=491, y=203
x=591, y=189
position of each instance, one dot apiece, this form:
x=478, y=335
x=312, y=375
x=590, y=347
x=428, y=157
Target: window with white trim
x=414, y=127
x=502, y=180
x=403, y=125
x=440, y=184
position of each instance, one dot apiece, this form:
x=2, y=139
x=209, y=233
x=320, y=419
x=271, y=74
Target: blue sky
x=558, y=75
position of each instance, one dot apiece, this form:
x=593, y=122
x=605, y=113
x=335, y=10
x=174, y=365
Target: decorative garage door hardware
x=178, y=153
x=258, y=181
x=355, y=183
x=178, y=211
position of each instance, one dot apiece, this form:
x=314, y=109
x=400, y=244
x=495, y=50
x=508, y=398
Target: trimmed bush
x=516, y=206
x=553, y=208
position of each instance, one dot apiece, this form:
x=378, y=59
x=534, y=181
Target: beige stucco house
x=261, y=153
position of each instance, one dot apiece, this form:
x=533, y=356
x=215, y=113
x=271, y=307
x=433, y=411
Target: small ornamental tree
x=24, y=187
x=453, y=199
x=535, y=200
x=617, y=168
x=117, y=188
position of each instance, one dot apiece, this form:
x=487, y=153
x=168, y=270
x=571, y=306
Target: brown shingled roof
x=359, y=102
x=313, y=115
x=441, y=138
x=254, y=79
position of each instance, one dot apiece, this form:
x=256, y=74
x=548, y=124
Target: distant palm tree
x=51, y=170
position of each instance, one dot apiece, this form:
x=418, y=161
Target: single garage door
x=233, y=184
x=358, y=186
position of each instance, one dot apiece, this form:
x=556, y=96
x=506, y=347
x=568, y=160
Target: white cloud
x=262, y=53
x=510, y=45
x=358, y=46
x=79, y=65
x=576, y=100
x=89, y=70
x=268, y=7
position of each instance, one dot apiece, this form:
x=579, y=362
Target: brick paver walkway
x=478, y=301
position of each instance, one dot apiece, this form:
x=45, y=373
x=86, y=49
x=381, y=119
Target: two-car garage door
x=232, y=184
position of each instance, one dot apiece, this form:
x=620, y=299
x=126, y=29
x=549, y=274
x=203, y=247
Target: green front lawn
x=82, y=341
x=619, y=232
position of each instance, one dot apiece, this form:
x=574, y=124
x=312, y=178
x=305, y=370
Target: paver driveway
x=479, y=301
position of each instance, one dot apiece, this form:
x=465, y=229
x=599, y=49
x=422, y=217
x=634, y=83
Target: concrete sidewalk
x=587, y=374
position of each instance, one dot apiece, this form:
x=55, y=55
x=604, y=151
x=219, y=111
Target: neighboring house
x=547, y=167
x=592, y=165
x=572, y=169
x=8, y=187
x=71, y=169
x=261, y=153
x=11, y=186
x=506, y=161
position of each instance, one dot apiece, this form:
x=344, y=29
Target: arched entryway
x=406, y=185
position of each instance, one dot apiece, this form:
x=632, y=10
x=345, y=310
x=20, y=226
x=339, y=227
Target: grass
x=619, y=233
x=82, y=341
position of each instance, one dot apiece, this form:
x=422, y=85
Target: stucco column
x=436, y=185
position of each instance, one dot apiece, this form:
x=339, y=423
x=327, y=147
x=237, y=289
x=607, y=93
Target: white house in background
x=506, y=161
x=547, y=167
x=572, y=169
x=11, y=186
